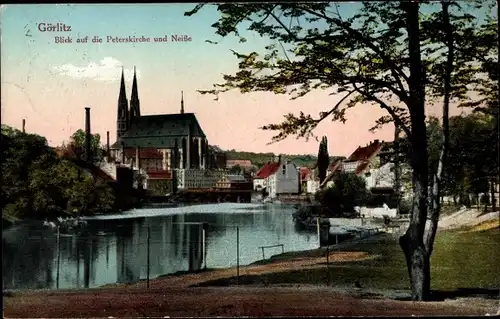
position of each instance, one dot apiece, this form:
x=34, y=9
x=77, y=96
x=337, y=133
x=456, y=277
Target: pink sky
x=55, y=109
x=50, y=84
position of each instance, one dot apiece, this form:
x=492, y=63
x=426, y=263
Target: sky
x=49, y=84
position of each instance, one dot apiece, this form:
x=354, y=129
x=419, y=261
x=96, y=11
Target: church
x=157, y=143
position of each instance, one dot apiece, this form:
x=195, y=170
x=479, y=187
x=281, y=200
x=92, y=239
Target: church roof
x=160, y=131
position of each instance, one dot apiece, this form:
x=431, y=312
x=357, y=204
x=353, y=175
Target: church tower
x=135, y=109
x=123, y=116
x=182, y=102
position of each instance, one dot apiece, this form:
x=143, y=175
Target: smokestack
x=123, y=153
x=107, y=147
x=138, y=158
x=88, y=136
x=24, y=125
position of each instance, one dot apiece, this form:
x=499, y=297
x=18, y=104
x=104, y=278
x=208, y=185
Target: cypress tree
x=323, y=159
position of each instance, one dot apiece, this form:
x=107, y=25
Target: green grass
x=460, y=260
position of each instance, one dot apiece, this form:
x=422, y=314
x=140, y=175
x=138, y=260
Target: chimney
x=88, y=136
x=138, y=158
x=123, y=153
x=108, y=152
x=24, y=125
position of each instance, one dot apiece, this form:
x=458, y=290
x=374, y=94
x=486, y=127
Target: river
x=115, y=250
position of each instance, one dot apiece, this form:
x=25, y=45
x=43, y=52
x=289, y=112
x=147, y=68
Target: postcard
x=250, y=159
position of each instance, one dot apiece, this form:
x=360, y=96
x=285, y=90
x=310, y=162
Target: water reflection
x=117, y=250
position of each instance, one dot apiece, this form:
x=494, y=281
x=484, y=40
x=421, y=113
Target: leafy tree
x=323, y=159
x=37, y=184
x=347, y=192
x=76, y=146
x=236, y=169
x=389, y=54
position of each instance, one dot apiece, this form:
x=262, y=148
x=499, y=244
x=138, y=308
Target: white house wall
x=287, y=182
x=259, y=182
x=312, y=187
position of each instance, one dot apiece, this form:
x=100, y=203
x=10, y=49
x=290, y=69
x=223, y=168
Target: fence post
x=58, y=255
x=148, y=261
x=204, y=245
x=328, y=265
x=237, y=256
x=318, y=231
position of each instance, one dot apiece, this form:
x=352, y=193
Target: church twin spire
x=126, y=114
x=135, y=109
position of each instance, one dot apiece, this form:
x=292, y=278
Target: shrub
x=347, y=192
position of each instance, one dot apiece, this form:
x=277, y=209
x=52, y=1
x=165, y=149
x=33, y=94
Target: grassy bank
x=460, y=260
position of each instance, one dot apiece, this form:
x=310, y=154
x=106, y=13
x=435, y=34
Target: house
x=360, y=162
x=245, y=164
x=234, y=182
x=279, y=177
x=305, y=176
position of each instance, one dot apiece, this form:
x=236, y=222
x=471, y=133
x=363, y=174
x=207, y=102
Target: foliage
x=360, y=57
x=236, y=169
x=260, y=159
x=37, y=184
x=323, y=159
x=397, y=55
x=348, y=191
x=76, y=146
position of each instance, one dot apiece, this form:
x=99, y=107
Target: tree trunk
x=435, y=207
x=397, y=172
x=411, y=242
x=493, y=199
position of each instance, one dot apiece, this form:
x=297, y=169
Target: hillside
x=259, y=159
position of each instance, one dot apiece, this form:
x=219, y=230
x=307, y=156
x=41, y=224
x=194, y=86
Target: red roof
x=304, y=173
x=159, y=174
x=268, y=170
x=335, y=165
x=365, y=153
x=144, y=153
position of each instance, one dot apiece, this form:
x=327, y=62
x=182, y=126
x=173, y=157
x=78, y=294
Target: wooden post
x=58, y=256
x=204, y=246
x=318, y=230
x=237, y=256
x=328, y=265
x=148, y=258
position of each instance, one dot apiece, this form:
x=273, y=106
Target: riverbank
x=356, y=281
x=365, y=277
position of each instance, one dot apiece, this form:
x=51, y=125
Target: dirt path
x=227, y=301
x=278, y=266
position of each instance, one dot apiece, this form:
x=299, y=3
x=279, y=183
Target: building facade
x=281, y=177
x=159, y=146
